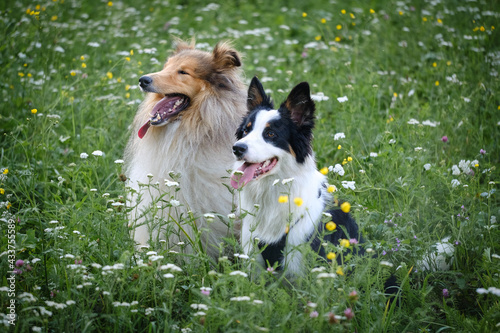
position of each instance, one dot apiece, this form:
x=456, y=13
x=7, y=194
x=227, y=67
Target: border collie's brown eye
x=270, y=134
x=182, y=72
x=245, y=132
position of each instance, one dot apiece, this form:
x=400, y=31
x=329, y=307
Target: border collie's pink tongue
x=248, y=169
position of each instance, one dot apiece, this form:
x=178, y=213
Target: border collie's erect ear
x=225, y=56
x=301, y=105
x=257, y=96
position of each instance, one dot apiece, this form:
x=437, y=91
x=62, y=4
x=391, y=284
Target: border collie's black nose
x=239, y=149
x=145, y=81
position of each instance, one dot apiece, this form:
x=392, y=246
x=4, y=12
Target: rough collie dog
x=185, y=126
x=275, y=144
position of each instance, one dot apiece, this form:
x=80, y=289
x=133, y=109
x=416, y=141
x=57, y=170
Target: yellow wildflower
x=34, y=111
x=345, y=207
x=29, y=75
x=298, y=201
x=482, y=28
x=304, y=14
x=323, y=20
x=331, y=256
x=343, y=11
x=372, y=11
x=82, y=57
x=339, y=147
x=331, y=188
x=436, y=83
x=424, y=19
x=110, y=3
x=349, y=159
x=434, y=64
x=317, y=37
x=401, y=13
x=324, y=170
x=337, y=39
x=448, y=63
x=339, y=26
x=287, y=229
x=345, y=243
x=344, y=162
x=340, y=271
x=2, y=191
x=84, y=65
x=20, y=74
x=440, y=21
x=109, y=75
x=127, y=87
x=131, y=52
x=330, y=226
x=127, y=95
x=53, y=18
x=395, y=94
x=352, y=16
x=73, y=73
x=127, y=58
x=8, y=205
x=283, y=199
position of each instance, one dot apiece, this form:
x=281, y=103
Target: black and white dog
x=275, y=157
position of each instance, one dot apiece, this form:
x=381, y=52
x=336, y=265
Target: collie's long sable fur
x=187, y=122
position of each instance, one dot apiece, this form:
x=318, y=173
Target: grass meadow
x=408, y=106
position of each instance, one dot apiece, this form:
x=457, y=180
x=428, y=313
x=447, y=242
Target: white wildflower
x=287, y=180
x=199, y=307
x=373, y=154
x=119, y=161
x=240, y=299
x=455, y=170
x=175, y=203
x=455, y=183
x=97, y=153
x=413, y=121
x=326, y=275
x=170, y=183
x=339, y=136
x=349, y=184
x=342, y=99
x=239, y=273
x=84, y=155
x=168, y=276
x=386, y=263
x=338, y=169
x=427, y=166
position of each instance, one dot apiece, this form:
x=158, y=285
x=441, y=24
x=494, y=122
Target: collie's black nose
x=145, y=81
x=239, y=149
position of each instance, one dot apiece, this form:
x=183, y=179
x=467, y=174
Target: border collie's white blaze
x=276, y=144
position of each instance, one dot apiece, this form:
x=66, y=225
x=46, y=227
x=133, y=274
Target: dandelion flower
x=331, y=188
x=331, y=256
x=298, y=201
x=345, y=207
x=330, y=226
x=324, y=170
x=283, y=199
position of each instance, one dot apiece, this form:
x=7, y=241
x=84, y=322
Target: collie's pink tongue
x=238, y=180
x=143, y=129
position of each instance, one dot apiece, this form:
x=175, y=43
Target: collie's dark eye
x=245, y=132
x=182, y=72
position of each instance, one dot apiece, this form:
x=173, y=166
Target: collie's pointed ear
x=225, y=56
x=257, y=96
x=301, y=105
x=181, y=45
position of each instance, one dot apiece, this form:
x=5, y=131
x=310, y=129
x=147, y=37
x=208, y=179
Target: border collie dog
x=275, y=144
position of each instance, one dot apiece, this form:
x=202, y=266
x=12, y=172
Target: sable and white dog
x=185, y=125
x=276, y=144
